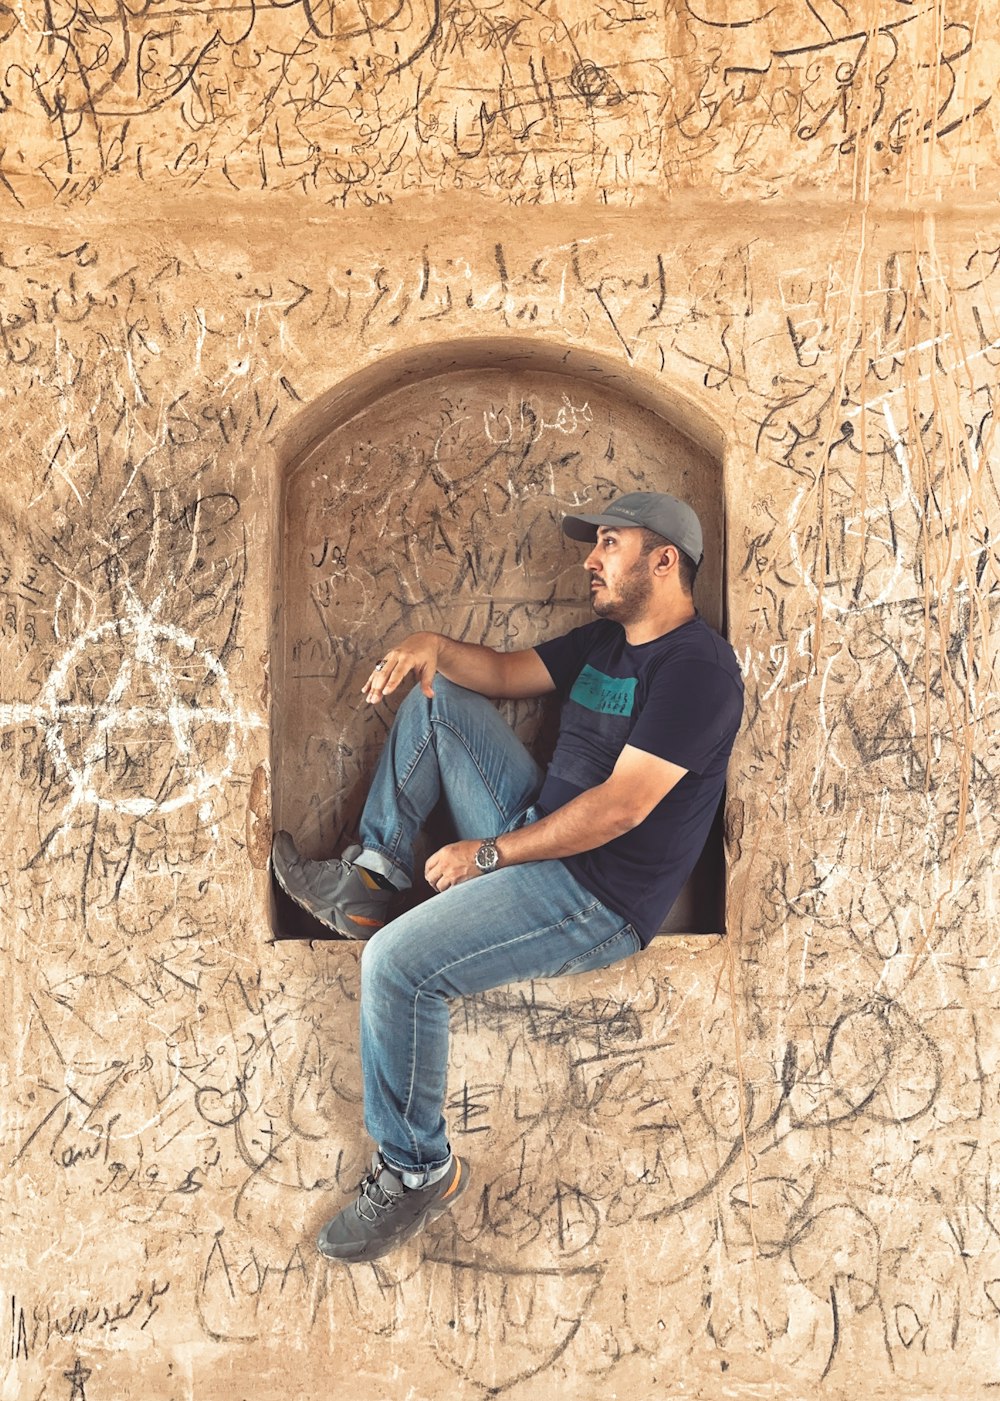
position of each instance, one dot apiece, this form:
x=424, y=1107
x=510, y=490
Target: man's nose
x=591, y=561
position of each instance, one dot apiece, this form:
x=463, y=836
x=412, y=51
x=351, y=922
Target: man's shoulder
x=697, y=644
x=696, y=639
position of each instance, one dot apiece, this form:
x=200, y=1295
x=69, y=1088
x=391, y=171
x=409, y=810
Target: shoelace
x=369, y=1186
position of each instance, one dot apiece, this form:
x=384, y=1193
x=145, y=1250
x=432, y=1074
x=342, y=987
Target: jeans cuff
x=376, y=861
x=421, y=1176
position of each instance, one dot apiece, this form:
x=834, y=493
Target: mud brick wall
x=313, y=319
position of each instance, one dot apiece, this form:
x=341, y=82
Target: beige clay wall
x=752, y=1166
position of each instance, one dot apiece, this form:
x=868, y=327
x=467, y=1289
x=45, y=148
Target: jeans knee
x=385, y=975
x=374, y=990
x=445, y=694
x=417, y=710
x=413, y=703
x=372, y=965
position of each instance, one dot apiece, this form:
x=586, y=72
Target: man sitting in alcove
x=562, y=871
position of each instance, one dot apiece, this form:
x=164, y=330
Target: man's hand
x=418, y=654
x=452, y=865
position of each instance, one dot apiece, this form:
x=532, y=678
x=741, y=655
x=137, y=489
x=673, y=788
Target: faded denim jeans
x=529, y=921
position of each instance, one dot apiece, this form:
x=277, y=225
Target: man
x=557, y=872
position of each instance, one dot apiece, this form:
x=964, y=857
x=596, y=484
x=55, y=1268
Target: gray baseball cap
x=673, y=519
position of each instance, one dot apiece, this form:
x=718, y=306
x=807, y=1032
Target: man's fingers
x=435, y=873
x=450, y=866
x=390, y=673
x=385, y=677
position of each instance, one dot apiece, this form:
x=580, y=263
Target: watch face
x=487, y=856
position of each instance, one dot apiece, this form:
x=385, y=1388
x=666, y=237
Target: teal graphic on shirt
x=607, y=695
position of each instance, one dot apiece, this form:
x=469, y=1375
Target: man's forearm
x=592, y=819
x=589, y=820
x=502, y=675
x=470, y=664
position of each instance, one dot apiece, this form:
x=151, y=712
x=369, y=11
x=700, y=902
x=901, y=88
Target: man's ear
x=667, y=557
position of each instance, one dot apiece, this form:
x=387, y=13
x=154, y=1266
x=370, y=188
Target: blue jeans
x=529, y=921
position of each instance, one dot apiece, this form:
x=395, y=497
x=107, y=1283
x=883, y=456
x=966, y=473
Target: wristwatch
x=488, y=856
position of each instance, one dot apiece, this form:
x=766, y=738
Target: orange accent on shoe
x=458, y=1178
x=368, y=923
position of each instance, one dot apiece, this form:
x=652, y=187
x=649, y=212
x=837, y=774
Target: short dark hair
x=687, y=568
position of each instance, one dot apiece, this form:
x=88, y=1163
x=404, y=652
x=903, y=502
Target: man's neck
x=653, y=625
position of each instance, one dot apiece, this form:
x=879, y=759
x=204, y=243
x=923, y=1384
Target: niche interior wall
x=758, y=1164
x=438, y=505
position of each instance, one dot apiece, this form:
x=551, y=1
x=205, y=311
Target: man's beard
x=634, y=592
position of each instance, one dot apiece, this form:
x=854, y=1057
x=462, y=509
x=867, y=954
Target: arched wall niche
x=426, y=491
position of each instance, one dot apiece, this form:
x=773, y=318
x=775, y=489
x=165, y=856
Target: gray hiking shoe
x=334, y=892
x=386, y=1213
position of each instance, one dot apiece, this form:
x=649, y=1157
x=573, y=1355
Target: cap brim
x=585, y=527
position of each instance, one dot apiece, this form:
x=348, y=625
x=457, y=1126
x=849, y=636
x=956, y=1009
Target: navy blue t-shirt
x=679, y=697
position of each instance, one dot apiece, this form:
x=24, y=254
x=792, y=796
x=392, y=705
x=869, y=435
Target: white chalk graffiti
x=157, y=669
x=500, y=428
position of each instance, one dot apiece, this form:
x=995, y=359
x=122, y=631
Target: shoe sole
x=429, y=1214
x=340, y=933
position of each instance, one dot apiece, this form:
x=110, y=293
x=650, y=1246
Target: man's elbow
x=622, y=814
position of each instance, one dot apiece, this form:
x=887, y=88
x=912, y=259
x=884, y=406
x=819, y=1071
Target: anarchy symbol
x=124, y=720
